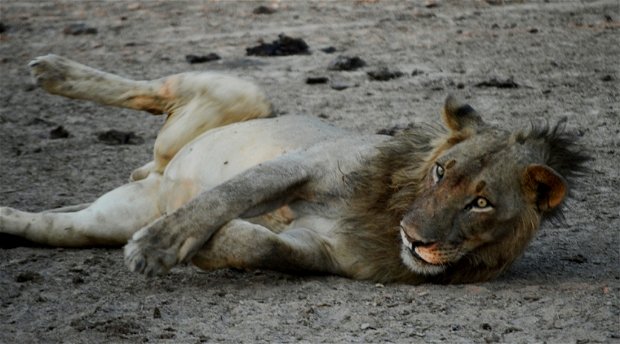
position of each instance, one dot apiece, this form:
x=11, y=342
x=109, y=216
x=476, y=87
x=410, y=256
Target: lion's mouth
x=413, y=250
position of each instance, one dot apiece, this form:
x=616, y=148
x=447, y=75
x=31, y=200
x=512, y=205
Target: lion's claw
x=154, y=250
x=149, y=261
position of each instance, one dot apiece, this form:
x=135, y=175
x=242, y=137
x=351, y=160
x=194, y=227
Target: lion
x=231, y=186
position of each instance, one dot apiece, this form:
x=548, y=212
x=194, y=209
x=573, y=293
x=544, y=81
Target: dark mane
x=385, y=189
x=561, y=152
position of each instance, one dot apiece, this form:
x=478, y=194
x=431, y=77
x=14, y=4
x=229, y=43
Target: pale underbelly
x=222, y=153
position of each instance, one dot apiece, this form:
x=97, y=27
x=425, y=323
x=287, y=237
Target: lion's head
x=467, y=202
x=482, y=194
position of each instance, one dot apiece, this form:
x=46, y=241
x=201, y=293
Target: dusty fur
x=383, y=193
x=390, y=183
x=449, y=204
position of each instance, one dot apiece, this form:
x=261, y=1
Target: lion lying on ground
x=294, y=194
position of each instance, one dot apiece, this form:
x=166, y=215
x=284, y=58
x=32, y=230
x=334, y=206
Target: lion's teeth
x=406, y=241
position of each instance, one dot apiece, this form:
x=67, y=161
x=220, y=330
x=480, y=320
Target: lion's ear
x=545, y=186
x=460, y=117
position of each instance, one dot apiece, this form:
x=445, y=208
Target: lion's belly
x=219, y=154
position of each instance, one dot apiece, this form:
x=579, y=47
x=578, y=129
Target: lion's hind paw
x=49, y=71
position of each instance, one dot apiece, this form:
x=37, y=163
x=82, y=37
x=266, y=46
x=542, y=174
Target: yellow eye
x=480, y=205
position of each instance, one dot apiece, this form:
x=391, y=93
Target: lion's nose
x=413, y=235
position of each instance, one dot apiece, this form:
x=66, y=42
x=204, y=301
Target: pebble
x=116, y=137
x=498, y=83
x=59, y=133
x=192, y=59
x=79, y=29
x=264, y=10
x=317, y=80
x=135, y=6
x=346, y=63
x=384, y=74
x=366, y=326
x=283, y=46
x=339, y=86
x=28, y=276
x=607, y=78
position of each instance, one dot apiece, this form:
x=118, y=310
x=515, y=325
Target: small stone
x=366, y=326
x=156, y=313
x=346, y=63
x=339, y=86
x=317, y=80
x=607, y=78
x=28, y=276
x=192, y=59
x=264, y=10
x=116, y=137
x=498, y=83
x=283, y=46
x=59, y=133
x=77, y=280
x=329, y=50
x=384, y=74
x=492, y=339
x=79, y=29
x=578, y=258
x=135, y=6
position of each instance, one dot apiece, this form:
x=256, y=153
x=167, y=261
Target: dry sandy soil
x=561, y=56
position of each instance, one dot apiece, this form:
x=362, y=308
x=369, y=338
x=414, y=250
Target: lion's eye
x=438, y=172
x=480, y=204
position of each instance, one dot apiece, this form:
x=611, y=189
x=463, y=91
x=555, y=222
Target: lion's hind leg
x=195, y=102
x=65, y=77
x=110, y=221
x=244, y=245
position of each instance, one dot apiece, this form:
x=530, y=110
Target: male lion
x=294, y=194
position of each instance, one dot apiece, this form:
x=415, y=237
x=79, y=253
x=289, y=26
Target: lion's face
x=480, y=196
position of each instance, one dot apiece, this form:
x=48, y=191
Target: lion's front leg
x=244, y=245
x=177, y=237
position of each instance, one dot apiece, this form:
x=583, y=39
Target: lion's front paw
x=154, y=250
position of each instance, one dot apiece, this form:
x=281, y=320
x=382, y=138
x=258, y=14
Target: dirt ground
x=512, y=60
